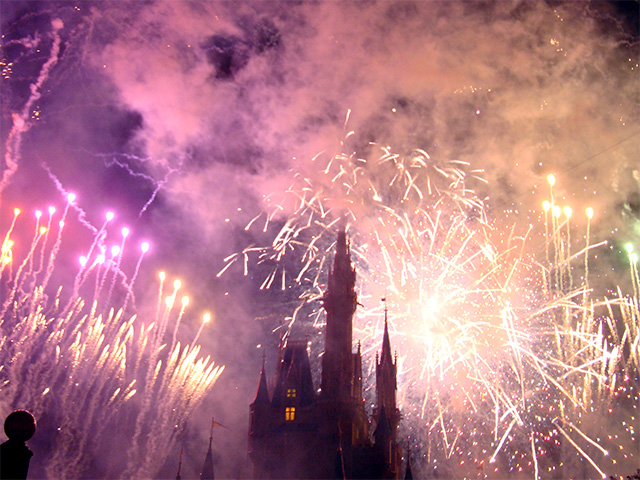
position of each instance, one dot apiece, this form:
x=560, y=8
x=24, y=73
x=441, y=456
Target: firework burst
x=89, y=368
x=507, y=363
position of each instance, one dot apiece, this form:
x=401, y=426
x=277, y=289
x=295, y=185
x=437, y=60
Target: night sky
x=183, y=117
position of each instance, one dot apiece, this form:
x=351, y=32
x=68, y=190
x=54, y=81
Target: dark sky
x=183, y=116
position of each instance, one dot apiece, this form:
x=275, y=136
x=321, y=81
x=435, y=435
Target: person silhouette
x=14, y=453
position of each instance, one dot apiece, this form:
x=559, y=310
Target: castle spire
x=386, y=371
x=386, y=343
x=262, y=393
x=207, y=466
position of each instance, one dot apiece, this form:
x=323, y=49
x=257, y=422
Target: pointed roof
x=207, y=466
x=262, y=393
x=386, y=343
x=342, y=276
x=294, y=369
x=383, y=428
x=385, y=365
x=408, y=475
x=178, y=475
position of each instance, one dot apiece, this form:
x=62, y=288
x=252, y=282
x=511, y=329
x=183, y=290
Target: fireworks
x=508, y=363
x=510, y=358
x=89, y=369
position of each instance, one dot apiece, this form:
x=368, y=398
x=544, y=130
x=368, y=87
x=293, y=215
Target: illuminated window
x=289, y=414
x=291, y=393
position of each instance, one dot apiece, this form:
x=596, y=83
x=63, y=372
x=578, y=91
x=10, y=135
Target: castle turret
x=259, y=419
x=386, y=413
x=262, y=393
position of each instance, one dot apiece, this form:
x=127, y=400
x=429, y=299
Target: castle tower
x=339, y=302
x=344, y=429
x=297, y=433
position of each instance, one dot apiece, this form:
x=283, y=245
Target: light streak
x=582, y=452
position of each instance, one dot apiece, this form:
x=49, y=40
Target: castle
x=297, y=432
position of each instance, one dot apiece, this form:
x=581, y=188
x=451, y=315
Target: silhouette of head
x=20, y=425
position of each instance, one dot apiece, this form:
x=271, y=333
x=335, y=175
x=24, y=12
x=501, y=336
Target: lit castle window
x=291, y=393
x=290, y=413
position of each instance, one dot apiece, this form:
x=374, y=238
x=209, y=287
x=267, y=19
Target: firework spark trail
x=46, y=231
x=184, y=303
x=144, y=248
x=81, y=215
x=110, y=160
x=83, y=272
x=91, y=359
x=6, y=254
x=25, y=269
x=478, y=332
x=56, y=246
x=86, y=367
x=21, y=121
x=39, y=230
x=155, y=367
x=117, y=251
x=206, y=318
